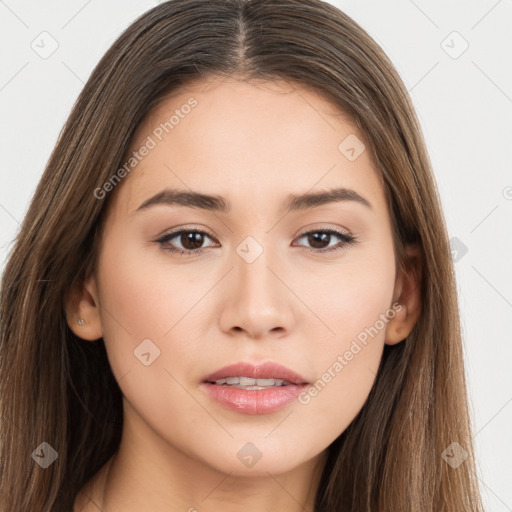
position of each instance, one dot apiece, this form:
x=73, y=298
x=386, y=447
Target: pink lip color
x=254, y=401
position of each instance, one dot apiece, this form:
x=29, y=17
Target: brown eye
x=320, y=240
x=191, y=240
x=187, y=241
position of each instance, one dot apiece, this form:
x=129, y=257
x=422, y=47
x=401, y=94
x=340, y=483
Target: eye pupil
x=315, y=238
x=193, y=237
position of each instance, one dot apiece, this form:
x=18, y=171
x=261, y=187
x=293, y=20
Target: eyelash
x=346, y=240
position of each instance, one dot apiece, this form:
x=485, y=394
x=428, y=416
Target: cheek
x=143, y=297
x=145, y=290
x=348, y=297
x=356, y=308
x=148, y=317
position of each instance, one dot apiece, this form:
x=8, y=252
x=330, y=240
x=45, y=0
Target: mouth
x=246, y=375
x=254, y=389
x=250, y=383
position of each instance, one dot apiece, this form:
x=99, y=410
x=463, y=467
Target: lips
x=268, y=370
x=254, y=400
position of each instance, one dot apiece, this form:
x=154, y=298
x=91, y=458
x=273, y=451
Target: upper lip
x=268, y=370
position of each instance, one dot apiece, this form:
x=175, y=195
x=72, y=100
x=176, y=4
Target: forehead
x=249, y=140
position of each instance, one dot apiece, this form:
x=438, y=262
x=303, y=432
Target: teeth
x=267, y=382
x=250, y=383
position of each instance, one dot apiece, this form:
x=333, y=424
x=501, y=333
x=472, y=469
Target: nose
x=258, y=301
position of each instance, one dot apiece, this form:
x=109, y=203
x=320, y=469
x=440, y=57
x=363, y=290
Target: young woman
x=233, y=287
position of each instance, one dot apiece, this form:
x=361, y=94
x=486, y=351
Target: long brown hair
x=56, y=388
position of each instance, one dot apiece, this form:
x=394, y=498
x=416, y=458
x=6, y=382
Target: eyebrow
x=216, y=203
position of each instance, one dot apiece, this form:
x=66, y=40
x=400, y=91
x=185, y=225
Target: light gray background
x=464, y=103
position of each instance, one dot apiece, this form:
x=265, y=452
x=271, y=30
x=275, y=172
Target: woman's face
x=267, y=286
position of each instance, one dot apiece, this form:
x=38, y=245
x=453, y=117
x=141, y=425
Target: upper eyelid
x=339, y=231
x=336, y=231
x=186, y=229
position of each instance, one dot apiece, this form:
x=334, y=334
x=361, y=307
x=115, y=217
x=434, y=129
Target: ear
x=83, y=304
x=408, y=294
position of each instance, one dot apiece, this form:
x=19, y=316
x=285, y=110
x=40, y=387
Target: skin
x=253, y=144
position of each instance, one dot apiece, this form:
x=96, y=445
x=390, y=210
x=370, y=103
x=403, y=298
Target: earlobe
x=408, y=294
x=83, y=310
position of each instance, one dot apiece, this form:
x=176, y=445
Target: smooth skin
x=254, y=144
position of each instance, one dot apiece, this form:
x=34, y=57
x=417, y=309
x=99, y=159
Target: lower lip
x=254, y=401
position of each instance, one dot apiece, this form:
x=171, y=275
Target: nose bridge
x=257, y=302
x=254, y=280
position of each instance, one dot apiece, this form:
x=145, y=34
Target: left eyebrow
x=216, y=203
x=312, y=200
